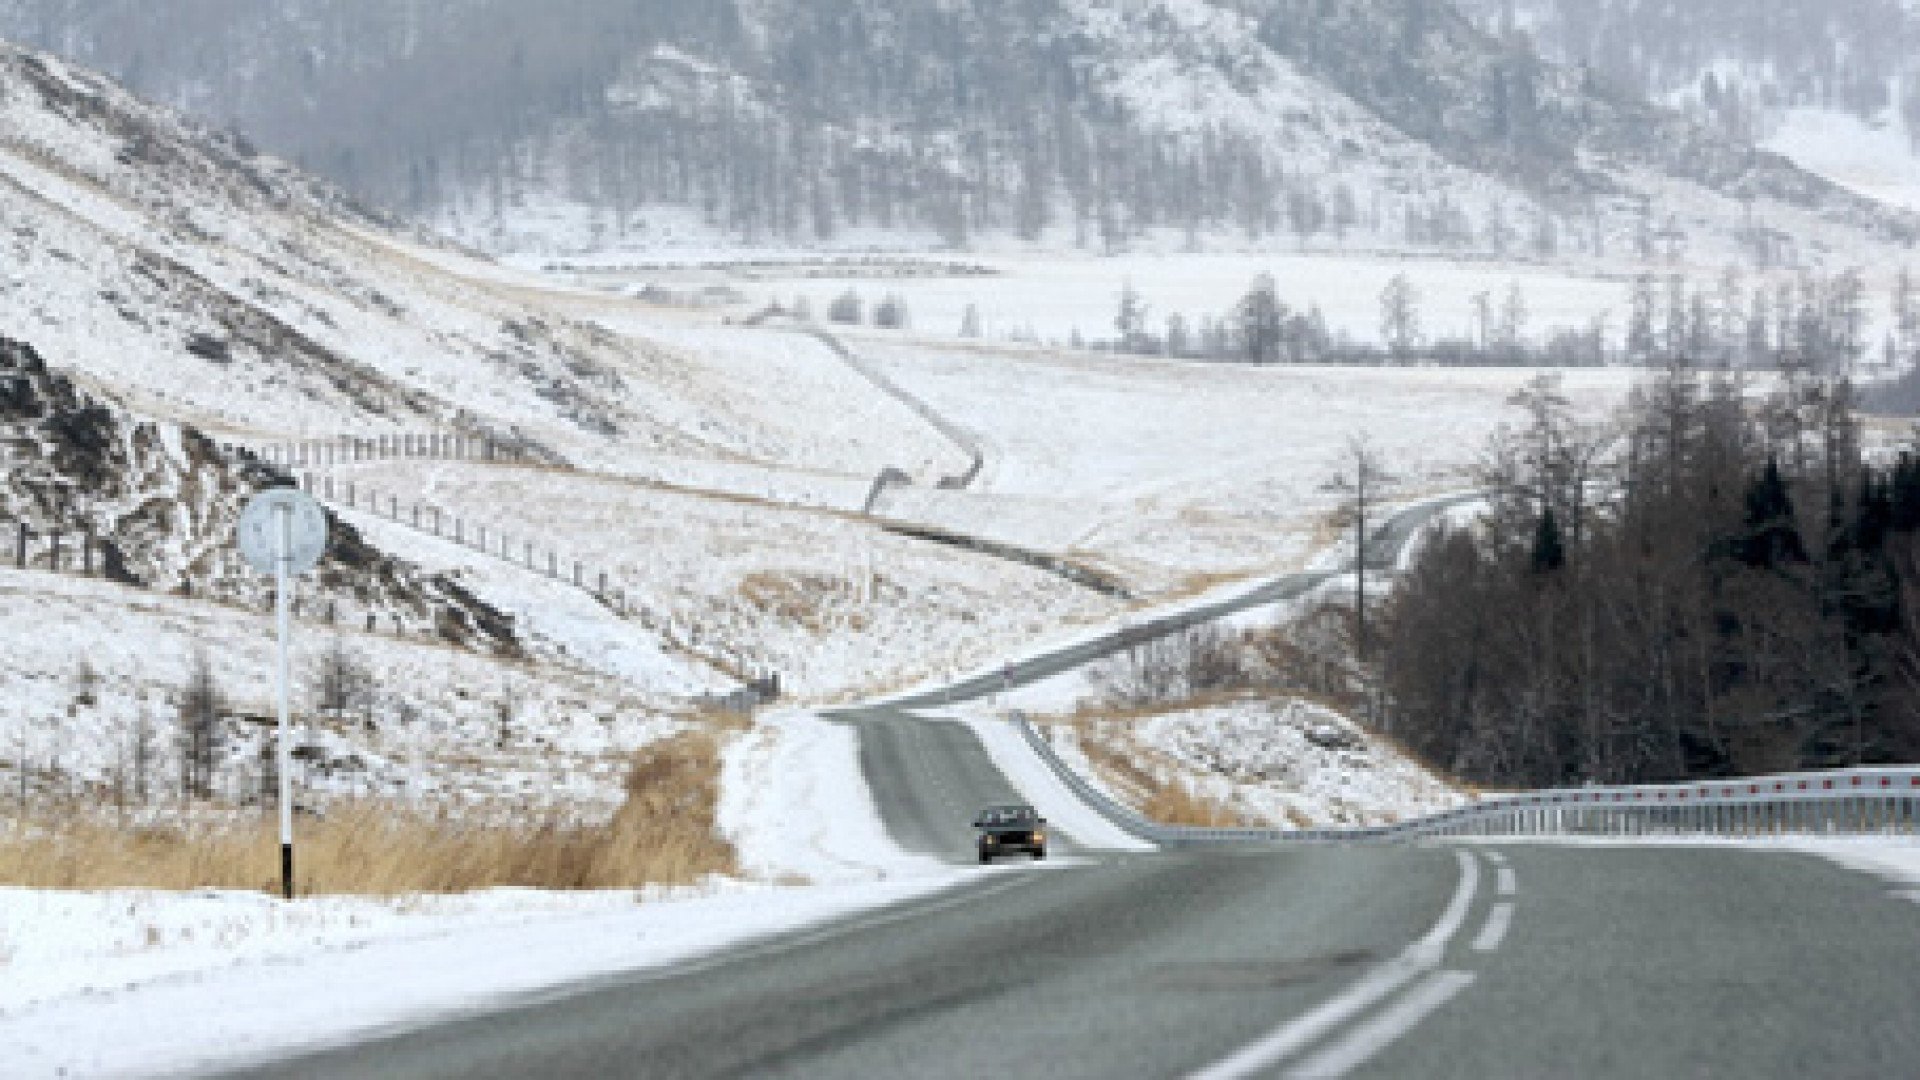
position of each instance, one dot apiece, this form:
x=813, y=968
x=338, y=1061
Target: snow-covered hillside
x=202, y=284
x=1831, y=84
x=152, y=505
x=595, y=126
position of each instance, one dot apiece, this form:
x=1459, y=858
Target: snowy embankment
x=259, y=978
x=1289, y=763
x=95, y=983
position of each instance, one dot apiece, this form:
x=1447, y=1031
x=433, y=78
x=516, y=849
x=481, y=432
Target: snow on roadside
x=91, y=979
x=1291, y=762
x=795, y=807
x=98, y=984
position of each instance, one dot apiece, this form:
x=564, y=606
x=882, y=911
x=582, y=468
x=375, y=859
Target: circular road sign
x=260, y=530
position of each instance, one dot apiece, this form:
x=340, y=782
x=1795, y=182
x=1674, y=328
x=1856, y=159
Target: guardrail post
x=20, y=553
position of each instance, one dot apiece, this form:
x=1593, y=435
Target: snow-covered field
x=1167, y=471
x=1049, y=297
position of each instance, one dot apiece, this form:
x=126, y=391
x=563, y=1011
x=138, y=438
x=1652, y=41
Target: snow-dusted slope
x=198, y=282
x=1833, y=85
x=595, y=126
x=157, y=504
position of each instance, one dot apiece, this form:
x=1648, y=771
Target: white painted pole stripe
x=1495, y=930
x=1313, y=1025
x=1507, y=886
x=1378, y=1033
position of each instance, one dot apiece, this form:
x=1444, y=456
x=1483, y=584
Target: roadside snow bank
x=1290, y=762
x=139, y=983
x=795, y=806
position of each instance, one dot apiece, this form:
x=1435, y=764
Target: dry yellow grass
x=663, y=833
x=1173, y=804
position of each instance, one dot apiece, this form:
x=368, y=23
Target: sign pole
x=283, y=532
x=283, y=518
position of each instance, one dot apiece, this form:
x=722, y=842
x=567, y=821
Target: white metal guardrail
x=1841, y=801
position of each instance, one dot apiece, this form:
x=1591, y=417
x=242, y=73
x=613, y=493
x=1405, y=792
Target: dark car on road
x=1010, y=830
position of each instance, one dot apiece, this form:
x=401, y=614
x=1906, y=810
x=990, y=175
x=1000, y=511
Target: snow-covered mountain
x=1832, y=84
x=589, y=125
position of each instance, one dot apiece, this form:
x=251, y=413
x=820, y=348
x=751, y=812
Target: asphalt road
x=931, y=779
x=1471, y=960
x=1367, y=961
x=1137, y=966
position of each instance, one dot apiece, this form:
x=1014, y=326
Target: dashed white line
x=1421, y=957
x=1495, y=930
x=1376, y=1034
x=1506, y=885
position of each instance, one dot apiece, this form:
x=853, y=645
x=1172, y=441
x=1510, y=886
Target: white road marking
x=1495, y=858
x=1376, y=1034
x=1421, y=957
x=1495, y=930
x=1507, y=885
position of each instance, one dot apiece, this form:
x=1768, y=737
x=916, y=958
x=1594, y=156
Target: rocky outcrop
x=153, y=504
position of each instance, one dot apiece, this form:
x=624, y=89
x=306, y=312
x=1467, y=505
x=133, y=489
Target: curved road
x=1489, y=960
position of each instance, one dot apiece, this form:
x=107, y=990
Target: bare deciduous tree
x=200, y=705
